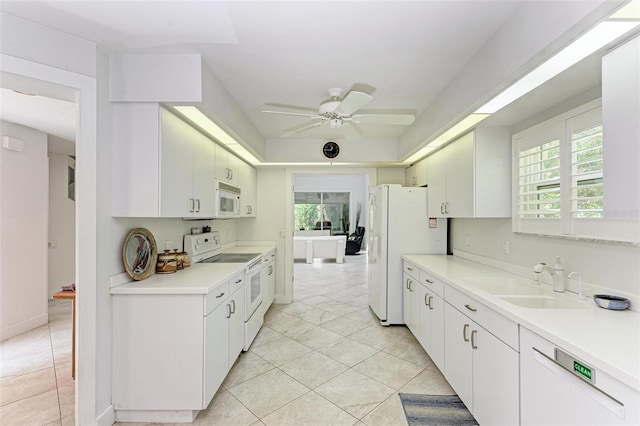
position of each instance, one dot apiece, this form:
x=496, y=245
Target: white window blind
x=559, y=177
x=539, y=181
x=586, y=143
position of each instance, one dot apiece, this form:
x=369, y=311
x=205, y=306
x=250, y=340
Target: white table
x=319, y=247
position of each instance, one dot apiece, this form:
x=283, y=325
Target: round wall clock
x=331, y=149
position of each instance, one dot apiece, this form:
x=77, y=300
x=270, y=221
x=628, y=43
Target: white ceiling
x=291, y=52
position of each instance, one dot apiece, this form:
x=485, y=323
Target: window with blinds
x=586, y=173
x=539, y=181
x=559, y=184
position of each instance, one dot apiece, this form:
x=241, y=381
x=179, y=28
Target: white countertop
x=607, y=340
x=199, y=278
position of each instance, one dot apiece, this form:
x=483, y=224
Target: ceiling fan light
x=335, y=123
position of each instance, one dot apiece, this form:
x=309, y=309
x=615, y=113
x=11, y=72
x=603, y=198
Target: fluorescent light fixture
x=205, y=123
x=601, y=35
x=462, y=126
x=630, y=11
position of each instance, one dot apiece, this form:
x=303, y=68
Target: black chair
x=354, y=242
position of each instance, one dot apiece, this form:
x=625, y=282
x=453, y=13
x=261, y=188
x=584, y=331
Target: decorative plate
x=139, y=254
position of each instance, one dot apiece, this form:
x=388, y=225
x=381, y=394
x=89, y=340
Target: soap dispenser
x=558, y=276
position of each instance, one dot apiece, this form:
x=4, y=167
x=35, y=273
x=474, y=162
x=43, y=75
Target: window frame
x=605, y=228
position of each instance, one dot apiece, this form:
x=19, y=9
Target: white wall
x=391, y=175
x=269, y=225
x=24, y=195
x=294, y=150
x=62, y=225
x=613, y=266
x=514, y=49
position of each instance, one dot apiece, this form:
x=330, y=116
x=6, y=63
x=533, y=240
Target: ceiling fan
x=341, y=114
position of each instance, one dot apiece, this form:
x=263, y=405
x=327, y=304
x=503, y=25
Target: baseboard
x=24, y=326
x=107, y=418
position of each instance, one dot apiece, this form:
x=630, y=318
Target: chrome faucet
x=556, y=274
x=540, y=268
x=581, y=293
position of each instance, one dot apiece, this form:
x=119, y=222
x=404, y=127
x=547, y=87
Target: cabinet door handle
x=233, y=309
x=406, y=284
x=198, y=201
x=409, y=269
x=426, y=296
x=446, y=207
x=270, y=269
x=238, y=281
x=231, y=170
x=473, y=339
x=228, y=310
x=219, y=296
x=441, y=208
x=472, y=309
x=191, y=205
x=430, y=300
x=464, y=332
x=428, y=280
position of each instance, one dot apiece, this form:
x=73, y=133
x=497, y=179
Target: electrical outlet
x=505, y=246
x=467, y=240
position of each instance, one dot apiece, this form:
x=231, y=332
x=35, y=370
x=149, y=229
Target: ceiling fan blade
x=302, y=108
x=299, y=114
x=351, y=131
x=302, y=127
x=353, y=102
x=402, y=119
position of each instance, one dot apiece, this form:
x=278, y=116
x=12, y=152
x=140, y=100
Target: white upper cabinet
x=416, y=175
x=248, y=180
x=471, y=177
x=621, y=127
x=162, y=167
x=226, y=166
x=186, y=184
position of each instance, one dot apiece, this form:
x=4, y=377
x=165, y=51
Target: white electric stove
x=206, y=248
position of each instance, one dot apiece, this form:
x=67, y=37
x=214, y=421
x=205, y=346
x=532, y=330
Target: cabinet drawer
x=216, y=297
x=501, y=327
x=431, y=283
x=236, y=282
x=411, y=269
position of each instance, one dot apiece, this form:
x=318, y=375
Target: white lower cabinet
x=171, y=352
x=482, y=370
x=410, y=300
x=553, y=392
x=216, y=352
x=431, y=318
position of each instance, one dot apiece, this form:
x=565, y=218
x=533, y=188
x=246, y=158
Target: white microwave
x=227, y=203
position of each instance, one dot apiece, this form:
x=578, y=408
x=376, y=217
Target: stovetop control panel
x=201, y=246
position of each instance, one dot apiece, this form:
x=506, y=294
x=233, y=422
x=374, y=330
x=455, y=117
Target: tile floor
x=322, y=360
x=325, y=359
x=36, y=387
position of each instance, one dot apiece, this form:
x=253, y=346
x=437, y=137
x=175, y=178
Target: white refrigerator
x=398, y=224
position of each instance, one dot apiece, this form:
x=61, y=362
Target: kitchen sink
x=504, y=286
x=544, y=302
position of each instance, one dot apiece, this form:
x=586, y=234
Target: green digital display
x=582, y=370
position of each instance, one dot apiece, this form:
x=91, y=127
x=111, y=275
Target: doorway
x=33, y=77
x=333, y=186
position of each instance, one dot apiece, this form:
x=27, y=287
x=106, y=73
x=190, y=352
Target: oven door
x=253, y=295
